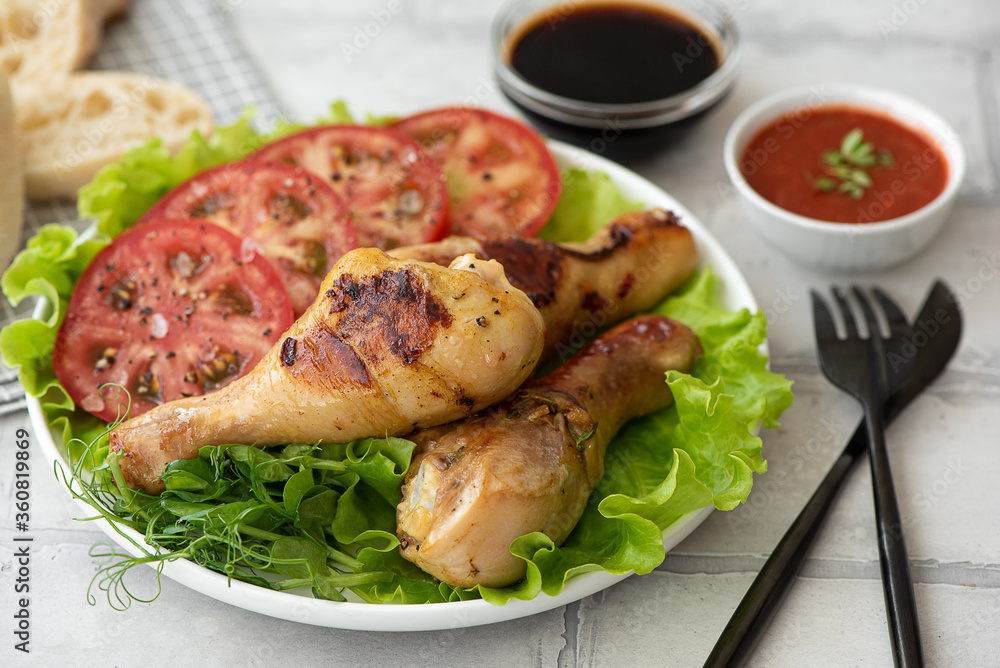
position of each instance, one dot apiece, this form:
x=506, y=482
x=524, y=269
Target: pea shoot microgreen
x=313, y=516
x=846, y=169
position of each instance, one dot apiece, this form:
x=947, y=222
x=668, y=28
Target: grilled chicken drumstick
x=389, y=346
x=629, y=266
x=530, y=463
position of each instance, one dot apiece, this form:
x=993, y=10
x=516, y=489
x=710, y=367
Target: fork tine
x=850, y=329
x=826, y=329
x=868, y=311
x=898, y=359
x=898, y=326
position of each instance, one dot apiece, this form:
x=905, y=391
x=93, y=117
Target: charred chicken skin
x=628, y=266
x=530, y=463
x=389, y=346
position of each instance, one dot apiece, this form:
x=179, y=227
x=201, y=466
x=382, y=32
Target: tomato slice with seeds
x=169, y=309
x=395, y=192
x=296, y=220
x=501, y=177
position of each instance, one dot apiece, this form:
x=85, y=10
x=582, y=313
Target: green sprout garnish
x=847, y=168
x=285, y=517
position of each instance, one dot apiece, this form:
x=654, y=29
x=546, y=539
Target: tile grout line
x=927, y=571
x=795, y=38
x=987, y=95
x=568, y=654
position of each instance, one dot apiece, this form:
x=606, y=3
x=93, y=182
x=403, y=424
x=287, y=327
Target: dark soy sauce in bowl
x=622, y=78
x=614, y=52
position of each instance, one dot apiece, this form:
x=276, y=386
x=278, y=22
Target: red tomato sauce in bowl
x=784, y=163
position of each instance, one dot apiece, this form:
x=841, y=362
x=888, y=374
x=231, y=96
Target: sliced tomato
x=169, y=309
x=296, y=220
x=502, y=179
x=395, y=192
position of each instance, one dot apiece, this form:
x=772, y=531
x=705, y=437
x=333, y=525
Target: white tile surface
x=944, y=449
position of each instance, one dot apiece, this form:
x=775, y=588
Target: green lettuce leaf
x=588, y=201
x=732, y=349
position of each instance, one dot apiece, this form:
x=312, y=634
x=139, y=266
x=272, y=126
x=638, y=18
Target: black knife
x=940, y=320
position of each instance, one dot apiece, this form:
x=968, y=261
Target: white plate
x=439, y=616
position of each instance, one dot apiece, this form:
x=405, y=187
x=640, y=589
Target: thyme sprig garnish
x=847, y=168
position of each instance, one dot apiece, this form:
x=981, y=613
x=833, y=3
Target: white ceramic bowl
x=844, y=247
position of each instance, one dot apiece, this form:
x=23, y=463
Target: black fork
x=872, y=368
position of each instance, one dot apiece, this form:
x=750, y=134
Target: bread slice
x=73, y=127
x=11, y=180
x=40, y=39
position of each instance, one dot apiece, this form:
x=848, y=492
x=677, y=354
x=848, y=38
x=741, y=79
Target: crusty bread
x=72, y=128
x=40, y=39
x=11, y=181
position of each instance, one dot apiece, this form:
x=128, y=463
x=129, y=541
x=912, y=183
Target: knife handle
x=768, y=589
